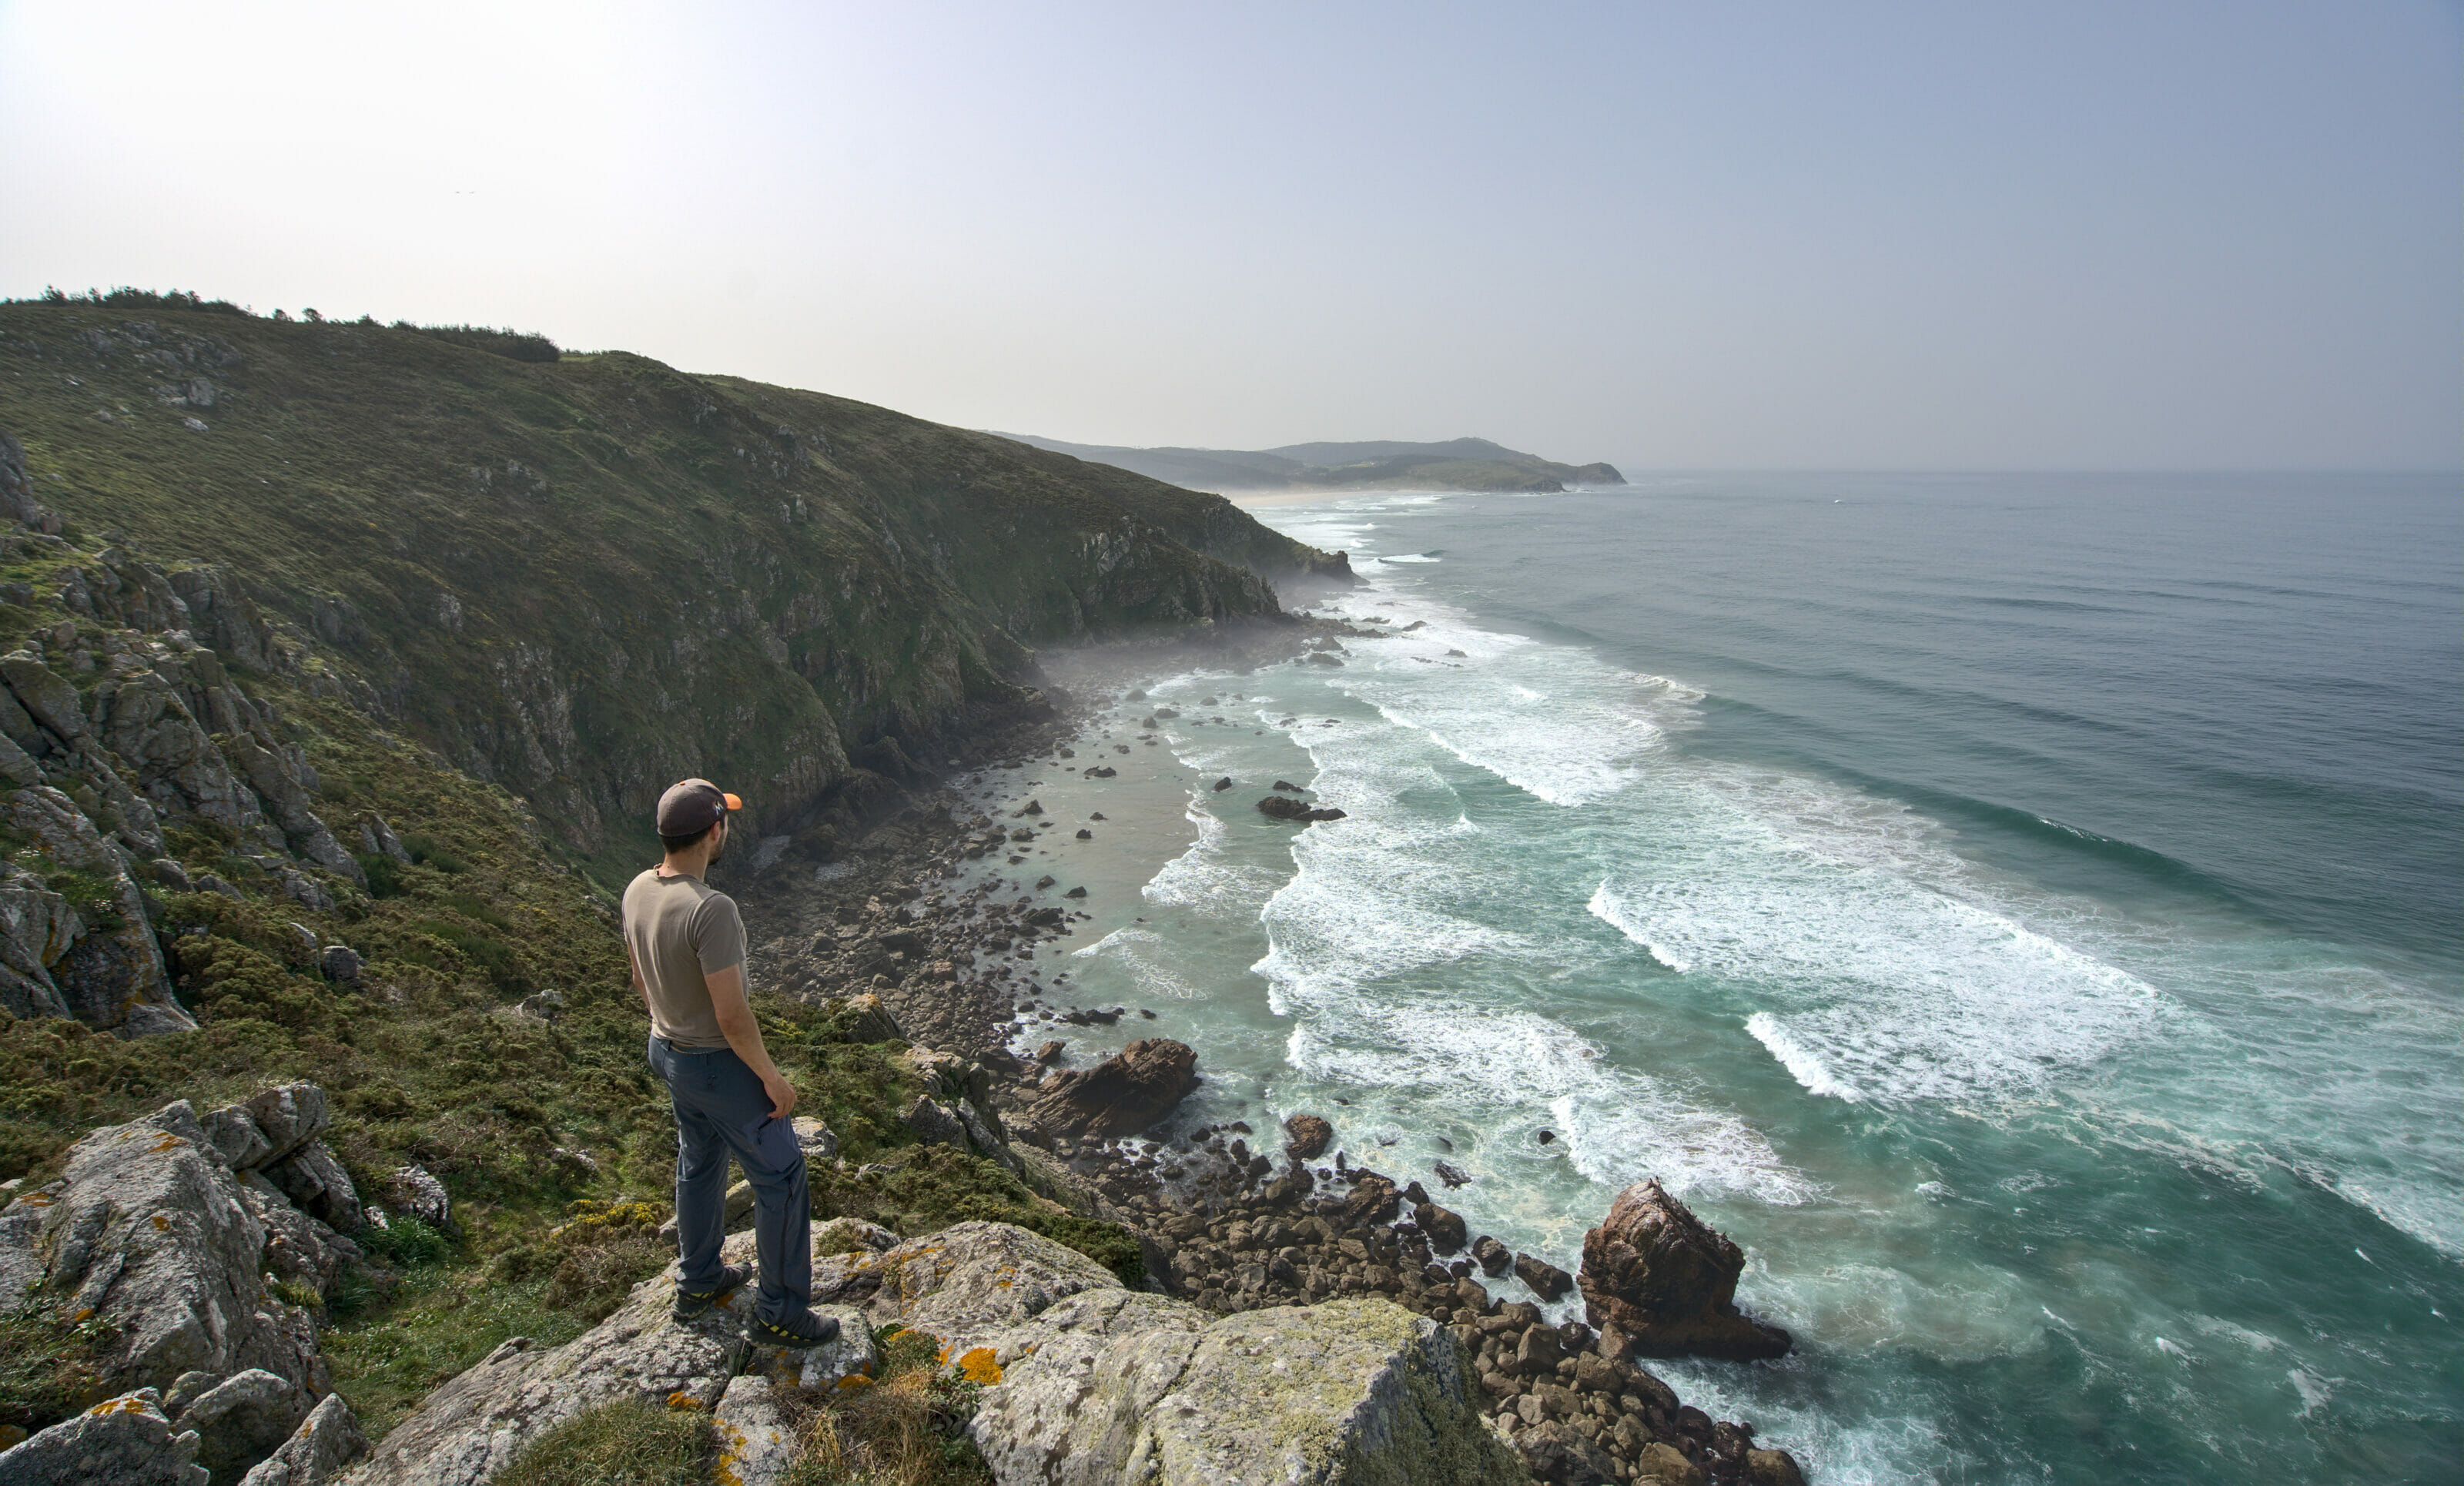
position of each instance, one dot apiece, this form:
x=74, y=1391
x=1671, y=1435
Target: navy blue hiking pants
x=721, y=1108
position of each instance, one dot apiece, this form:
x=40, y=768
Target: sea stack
x=1667, y=1282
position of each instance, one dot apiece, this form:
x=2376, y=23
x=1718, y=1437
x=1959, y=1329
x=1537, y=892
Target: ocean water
x=2027, y=913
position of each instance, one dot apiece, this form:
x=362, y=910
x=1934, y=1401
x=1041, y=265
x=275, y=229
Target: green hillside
x=583, y=576
x=1454, y=464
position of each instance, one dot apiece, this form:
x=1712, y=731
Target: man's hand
x=783, y=1095
x=743, y=1034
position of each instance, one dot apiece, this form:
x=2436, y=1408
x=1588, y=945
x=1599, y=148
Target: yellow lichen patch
x=130, y=1405
x=161, y=1224
x=38, y=1200
x=680, y=1399
x=855, y=1380
x=731, y=1450
x=86, y=1314
x=979, y=1365
x=167, y=1143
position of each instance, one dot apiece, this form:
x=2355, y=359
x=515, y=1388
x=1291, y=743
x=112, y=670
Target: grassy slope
x=328, y=469
x=656, y=574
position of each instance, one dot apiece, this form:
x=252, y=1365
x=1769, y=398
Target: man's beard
x=717, y=851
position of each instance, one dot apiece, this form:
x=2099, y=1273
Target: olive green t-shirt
x=680, y=930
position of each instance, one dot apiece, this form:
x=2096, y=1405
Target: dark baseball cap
x=694, y=806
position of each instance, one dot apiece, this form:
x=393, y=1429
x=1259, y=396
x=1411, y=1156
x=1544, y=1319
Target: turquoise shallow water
x=2022, y=910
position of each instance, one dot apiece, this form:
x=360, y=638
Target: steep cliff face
x=585, y=578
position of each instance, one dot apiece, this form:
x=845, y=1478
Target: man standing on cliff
x=687, y=945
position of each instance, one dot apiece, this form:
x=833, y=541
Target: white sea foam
x=1802, y=1065
x=1202, y=878
x=1890, y=986
x=1493, y=1067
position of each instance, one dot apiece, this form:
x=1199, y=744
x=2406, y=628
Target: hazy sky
x=1842, y=234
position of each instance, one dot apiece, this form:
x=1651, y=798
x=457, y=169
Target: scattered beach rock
x=1668, y=1282
x=1223, y=784
x=1279, y=807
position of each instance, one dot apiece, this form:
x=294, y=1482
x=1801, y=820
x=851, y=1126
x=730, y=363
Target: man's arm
x=641, y=987
x=745, y=1035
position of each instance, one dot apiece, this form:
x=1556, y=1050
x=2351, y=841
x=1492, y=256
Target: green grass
x=621, y=1444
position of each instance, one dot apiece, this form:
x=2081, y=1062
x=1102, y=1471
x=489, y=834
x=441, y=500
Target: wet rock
x=1048, y=1053
x=1122, y=1095
x=1280, y=807
x=1667, y=1282
x=1223, y=784
x=123, y=1442
x=1373, y=1199
x=1546, y=1279
x=1307, y=1136
x=1286, y=786
x=1445, y=1229
x=1086, y=835
x=326, y=1441
x=1492, y=1257
x=1452, y=1175
x=1772, y=1468
x=1075, y=892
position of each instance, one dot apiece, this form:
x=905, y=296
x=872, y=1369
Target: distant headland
x=1455, y=465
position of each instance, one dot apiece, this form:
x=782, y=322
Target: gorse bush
x=406, y=1243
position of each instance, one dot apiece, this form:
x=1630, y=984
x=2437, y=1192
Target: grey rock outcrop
x=1089, y=1382
x=328, y=1439
x=126, y=1441
x=474, y=1424
x=755, y=1442
x=101, y=966
x=149, y=1231
x=243, y=1419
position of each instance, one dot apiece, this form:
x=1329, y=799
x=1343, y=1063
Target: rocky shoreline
x=1234, y=1219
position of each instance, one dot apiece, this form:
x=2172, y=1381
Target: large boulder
x=1667, y=1282
x=123, y=1442
x=1307, y=1136
x=328, y=1439
x=243, y=1419
x=1085, y=1381
x=1122, y=1095
x=148, y=1231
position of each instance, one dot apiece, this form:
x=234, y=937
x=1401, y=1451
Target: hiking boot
x=802, y=1331
x=691, y=1303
